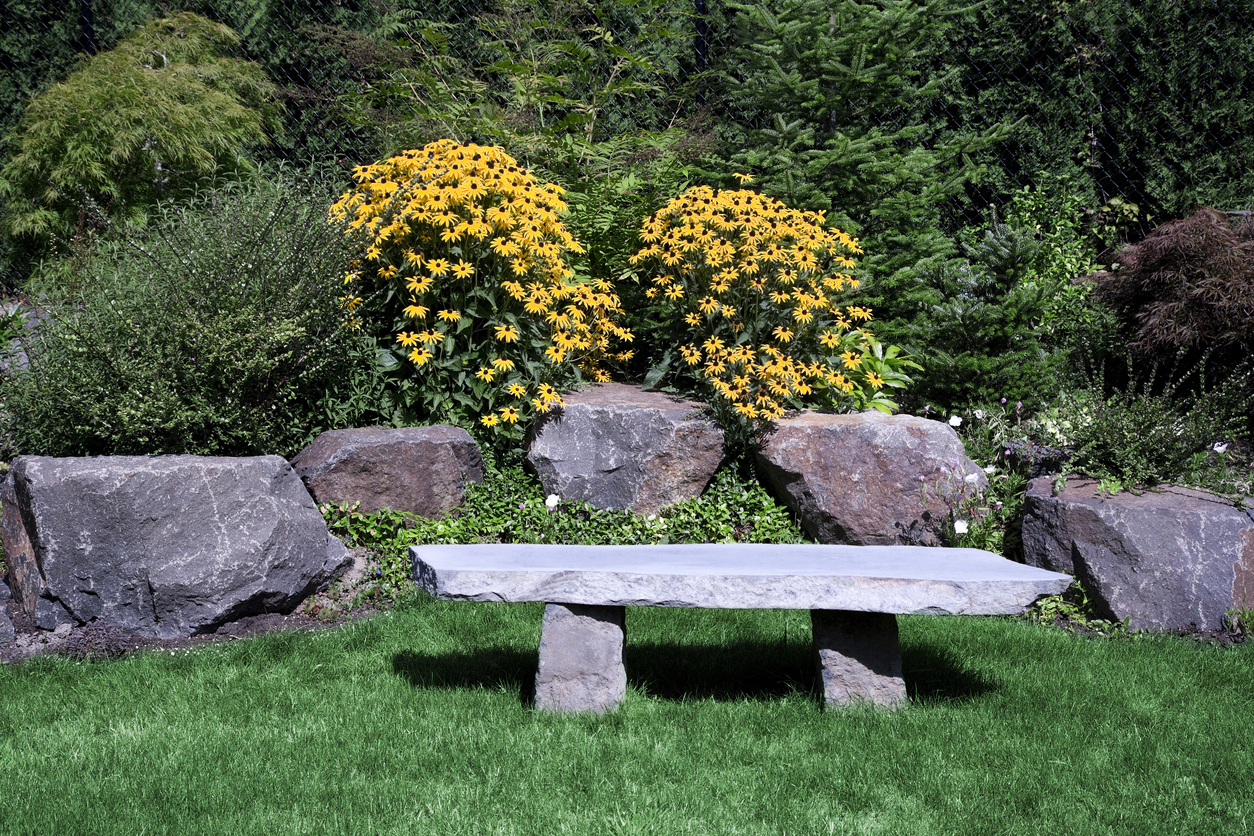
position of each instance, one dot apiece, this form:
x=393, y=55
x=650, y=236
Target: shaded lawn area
x=412, y=722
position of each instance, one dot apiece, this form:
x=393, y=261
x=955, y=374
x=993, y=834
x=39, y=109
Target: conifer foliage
x=831, y=96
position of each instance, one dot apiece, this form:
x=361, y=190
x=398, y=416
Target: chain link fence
x=1150, y=102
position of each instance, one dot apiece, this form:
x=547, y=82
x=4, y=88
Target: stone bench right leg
x=858, y=657
x=581, y=658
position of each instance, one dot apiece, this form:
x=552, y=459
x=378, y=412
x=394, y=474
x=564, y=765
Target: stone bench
x=853, y=593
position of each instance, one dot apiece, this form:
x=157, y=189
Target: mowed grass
x=414, y=722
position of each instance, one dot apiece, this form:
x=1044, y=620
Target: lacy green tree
x=150, y=119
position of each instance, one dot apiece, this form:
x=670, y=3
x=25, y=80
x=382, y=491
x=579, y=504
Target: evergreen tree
x=826, y=101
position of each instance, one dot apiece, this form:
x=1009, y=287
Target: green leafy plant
x=1156, y=427
x=1072, y=611
x=152, y=118
x=214, y=331
x=510, y=507
x=471, y=250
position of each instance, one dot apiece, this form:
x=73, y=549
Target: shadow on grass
x=669, y=671
x=937, y=674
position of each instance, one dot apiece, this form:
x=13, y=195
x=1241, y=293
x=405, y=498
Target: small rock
x=868, y=478
x=62, y=631
x=616, y=446
x=1169, y=559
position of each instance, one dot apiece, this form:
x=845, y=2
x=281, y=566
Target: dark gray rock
x=422, y=470
x=162, y=546
x=581, y=659
x=1170, y=559
x=615, y=446
x=869, y=478
x=7, y=633
x=857, y=657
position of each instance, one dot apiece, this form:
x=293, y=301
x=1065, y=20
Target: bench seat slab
x=581, y=659
x=857, y=658
x=888, y=579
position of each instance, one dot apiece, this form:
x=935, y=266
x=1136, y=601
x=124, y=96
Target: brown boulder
x=869, y=478
x=422, y=470
x=1168, y=559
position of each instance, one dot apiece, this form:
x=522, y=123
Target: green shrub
x=216, y=331
x=1139, y=99
x=1160, y=426
x=824, y=102
x=1000, y=323
x=152, y=118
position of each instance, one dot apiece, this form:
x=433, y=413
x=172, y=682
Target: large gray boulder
x=615, y=446
x=422, y=470
x=163, y=546
x=869, y=478
x=1169, y=559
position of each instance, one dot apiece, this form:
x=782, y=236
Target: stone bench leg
x=581, y=658
x=858, y=657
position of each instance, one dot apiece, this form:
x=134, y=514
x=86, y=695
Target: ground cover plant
x=412, y=722
x=511, y=507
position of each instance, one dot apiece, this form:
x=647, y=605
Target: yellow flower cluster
x=474, y=248
x=756, y=284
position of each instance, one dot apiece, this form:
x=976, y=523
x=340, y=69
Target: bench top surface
x=894, y=579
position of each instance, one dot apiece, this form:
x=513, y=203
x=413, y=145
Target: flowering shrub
x=753, y=286
x=470, y=250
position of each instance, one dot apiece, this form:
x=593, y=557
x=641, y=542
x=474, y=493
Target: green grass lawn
x=412, y=722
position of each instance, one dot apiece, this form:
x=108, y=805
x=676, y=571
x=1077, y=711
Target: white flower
x=971, y=477
x=989, y=470
x=960, y=526
x=552, y=501
x=955, y=421
x=1220, y=448
x=979, y=413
